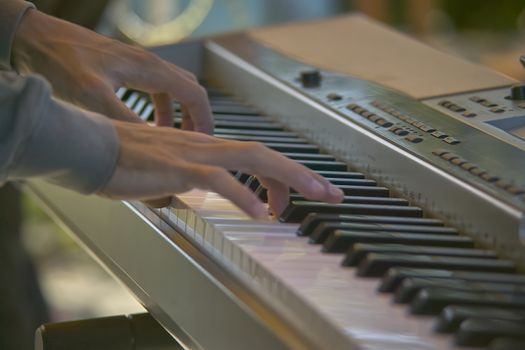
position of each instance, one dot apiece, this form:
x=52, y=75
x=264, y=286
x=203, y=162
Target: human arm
x=85, y=68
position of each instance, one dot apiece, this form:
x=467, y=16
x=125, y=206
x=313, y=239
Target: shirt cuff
x=10, y=17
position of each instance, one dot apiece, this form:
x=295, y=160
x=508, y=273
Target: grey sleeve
x=11, y=12
x=51, y=139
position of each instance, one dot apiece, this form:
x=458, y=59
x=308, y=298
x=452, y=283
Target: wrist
x=27, y=39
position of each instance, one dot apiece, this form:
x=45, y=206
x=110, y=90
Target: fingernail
x=317, y=187
x=335, y=191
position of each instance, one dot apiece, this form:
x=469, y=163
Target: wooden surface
x=359, y=46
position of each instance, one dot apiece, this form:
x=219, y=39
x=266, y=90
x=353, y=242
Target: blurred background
x=73, y=285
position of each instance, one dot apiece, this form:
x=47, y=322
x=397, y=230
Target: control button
x=384, y=123
x=488, y=104
x=410, y=120
x=373, y=117
x=515, y=190
x=426, y=128
x=395, y=114
x=401, y=132
x=439, y=134
x=445, y=103
x=334, y=96
x=414, y=139
x=497, y=110
x=521, y=105
x=457, y=109
x=417, y=124
x=359, y=110
x=437, y=152
x=468, y=166
x=502, y=183
x=351, y=106
x=458, y=161
x=402, y=117
x=477, y=99
x=489, y=177
x=451, y=141
x=449, y=156
x=376, y=104
x=310, y=78
x=469, y=114
x=366, y=113
x=517, y=92
x=477, y=171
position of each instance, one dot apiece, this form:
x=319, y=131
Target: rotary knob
x=517, y=92
x=310, y=78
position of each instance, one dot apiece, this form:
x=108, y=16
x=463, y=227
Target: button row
x=417, y=124
x=456, y=108
x=369, y=115
x=493, y=107
x=477, y=171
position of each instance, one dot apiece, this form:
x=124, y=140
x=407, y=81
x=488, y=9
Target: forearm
x=43, y=137
x=11, y=14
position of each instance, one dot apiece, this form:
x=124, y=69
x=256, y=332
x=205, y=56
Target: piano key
x=293, y=148
x=323, y=230
x=341, y=174
x=480, y=332
x=452, y=316
x=147, y=112
x=376, y=264
x=120, y=92
x=244, y=125
x=260, y=138
x=411, y=286
x=130, y=101
x=395, y=276
x=310, y=223
x=228, y=108
x=358, y=251
x=431, y=301
x=235, y=118
x=506, y=344
x=340, y=241
x=361, y=199
x=248, y=132
x=333, y=166
x=297, y=210
x=302, y=207
x=139, y=106
x=310, y=156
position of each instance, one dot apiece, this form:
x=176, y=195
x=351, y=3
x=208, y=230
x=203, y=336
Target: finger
x=187, y=123
x=278, y=195
x=158, y=202
x=163, y=109
x=220, y=181
x=254, y=158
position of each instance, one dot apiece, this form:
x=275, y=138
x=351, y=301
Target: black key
x=375, y=265
x=431, y=301
x=358, y=251
x=260, y=138
x=245, y=125
x=310, y=223
x=292, y=148
x=507, y=344
x=309, y=156
x=452, y=316
x=361, y=200
x=395, y=276
x=234, y=118
x=330, y=166
x=248, y=132
x=340, y=241
x=411, y=286
x=354, y=182
x=480, y=332
x=297, y=210
x=228, y=108
x=323, y=230
x=341, y=174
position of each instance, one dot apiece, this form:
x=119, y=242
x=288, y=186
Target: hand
x=85, y=68
x=157, y=162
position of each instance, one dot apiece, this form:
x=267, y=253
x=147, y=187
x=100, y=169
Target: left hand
x=85, y=68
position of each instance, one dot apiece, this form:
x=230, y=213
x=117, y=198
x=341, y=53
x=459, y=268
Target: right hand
x=158, y=162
